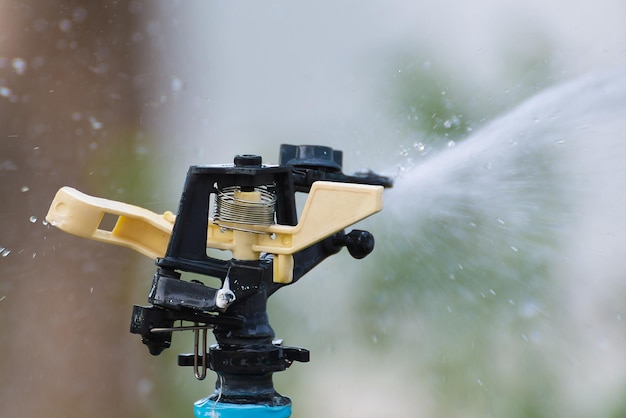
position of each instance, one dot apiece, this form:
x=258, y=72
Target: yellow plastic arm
x=330, y=207
x=136, y=228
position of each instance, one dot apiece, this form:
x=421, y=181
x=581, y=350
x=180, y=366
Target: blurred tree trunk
x=70, y=104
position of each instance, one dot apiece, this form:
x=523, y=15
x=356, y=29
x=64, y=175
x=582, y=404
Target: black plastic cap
x=313, y=156
x=359, y=243
x=248, y=160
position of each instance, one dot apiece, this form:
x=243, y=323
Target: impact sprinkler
x=247, y=208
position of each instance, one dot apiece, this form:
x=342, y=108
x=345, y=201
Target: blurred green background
x=465, y=309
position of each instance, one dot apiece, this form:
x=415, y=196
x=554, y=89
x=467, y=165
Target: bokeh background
x=477, y=302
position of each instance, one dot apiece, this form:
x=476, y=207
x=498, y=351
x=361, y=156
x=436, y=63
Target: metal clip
x=199, y=370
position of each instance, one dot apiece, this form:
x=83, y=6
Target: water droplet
x=7, y=165
x=419, y=146
x=145, y=386
x=95, y=123
x=3, y=298
x=5, y=252
x=447, y=124
x=19, y=65
x=142, y=150
x=33, y=219
x=501, y=221
x=38, y=62
x=25, y=189
x=374, y=339
x=451, y=144
x=44, y=222
x=176, y=84
x=493, y=292
x=65, y=25
x=79, y=14
x=5, y=91
x=514, y=248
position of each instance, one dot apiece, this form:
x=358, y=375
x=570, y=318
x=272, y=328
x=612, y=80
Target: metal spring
x=232, y=208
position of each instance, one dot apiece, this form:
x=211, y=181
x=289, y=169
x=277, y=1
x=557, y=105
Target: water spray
x=247, y=208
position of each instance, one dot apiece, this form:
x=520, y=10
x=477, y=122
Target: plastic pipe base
x=206, y=408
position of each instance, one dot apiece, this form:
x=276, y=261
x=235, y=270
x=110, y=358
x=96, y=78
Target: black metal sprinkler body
x=248, y=208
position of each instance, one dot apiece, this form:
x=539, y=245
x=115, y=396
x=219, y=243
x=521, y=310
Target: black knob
x=248, y=160
x=359, y=243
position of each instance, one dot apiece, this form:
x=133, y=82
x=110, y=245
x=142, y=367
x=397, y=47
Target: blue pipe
x=207, y=408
